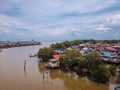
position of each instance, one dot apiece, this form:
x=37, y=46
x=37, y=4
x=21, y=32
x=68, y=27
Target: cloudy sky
x=56, y=20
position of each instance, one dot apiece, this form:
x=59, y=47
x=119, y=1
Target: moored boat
x=35, y=55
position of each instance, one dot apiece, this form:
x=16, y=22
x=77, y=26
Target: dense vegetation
x=45, y=53
x=67, y=44
x=89, y=64
x=95, y=67
x=69, y=60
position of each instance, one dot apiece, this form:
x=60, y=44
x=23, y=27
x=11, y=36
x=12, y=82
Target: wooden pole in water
x=24, y=64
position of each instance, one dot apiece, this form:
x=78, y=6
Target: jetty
x=8, y=44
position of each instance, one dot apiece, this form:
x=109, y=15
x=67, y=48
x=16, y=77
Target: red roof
x=56, y=57
x=110, y=48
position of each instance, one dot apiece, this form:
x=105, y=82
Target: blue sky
x=59, y=20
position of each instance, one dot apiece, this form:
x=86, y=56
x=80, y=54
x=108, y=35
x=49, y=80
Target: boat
x=32, y=55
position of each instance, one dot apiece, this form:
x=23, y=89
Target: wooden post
x=24, y=64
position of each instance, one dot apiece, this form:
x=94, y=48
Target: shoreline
x=18, y=46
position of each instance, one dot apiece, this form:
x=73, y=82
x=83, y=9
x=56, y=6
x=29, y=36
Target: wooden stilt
x=24, y=64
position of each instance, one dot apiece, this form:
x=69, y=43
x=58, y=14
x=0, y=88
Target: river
x=13, y=76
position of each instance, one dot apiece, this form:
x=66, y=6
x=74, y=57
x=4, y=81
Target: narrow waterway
x=13, y=76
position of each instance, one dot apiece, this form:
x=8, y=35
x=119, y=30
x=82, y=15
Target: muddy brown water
x=13, y=76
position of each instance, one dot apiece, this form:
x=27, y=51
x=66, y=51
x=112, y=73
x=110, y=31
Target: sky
x=59, y=20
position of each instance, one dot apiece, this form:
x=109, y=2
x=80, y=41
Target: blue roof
x=82, y=51
x=60, y=49
x=106, y=54
x=90, y=48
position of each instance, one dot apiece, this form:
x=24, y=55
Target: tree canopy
x=69, y=59
x=45, y=53
x=67, y=44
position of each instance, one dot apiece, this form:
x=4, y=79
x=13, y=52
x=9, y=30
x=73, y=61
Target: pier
x=18, y=44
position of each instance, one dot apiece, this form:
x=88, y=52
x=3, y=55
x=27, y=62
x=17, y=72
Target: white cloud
x=101, y=28
x=4, y=30
x=56, y=19
x=109, y=22
x=115, y=20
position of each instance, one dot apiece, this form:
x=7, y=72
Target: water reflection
x=41, y=67
x=71, y=80
x=25, y=73
x=45, y=75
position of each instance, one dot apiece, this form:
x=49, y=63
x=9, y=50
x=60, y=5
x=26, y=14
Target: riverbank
x=14, y=77
x=95, y=60
x=18, y=44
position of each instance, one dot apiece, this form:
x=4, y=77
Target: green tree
x=93, y=61
x=77, y=42
x=67, y=44
x=69, y=60
x=58, y=46
x=112, y=70
x=82, y=65
x=89, y=62
x=45, y=53
x=102, y=74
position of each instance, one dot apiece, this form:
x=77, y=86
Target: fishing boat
x=32, y=55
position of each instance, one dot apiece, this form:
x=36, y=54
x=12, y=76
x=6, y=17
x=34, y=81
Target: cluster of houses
x=109, y=52
x=9, y=44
